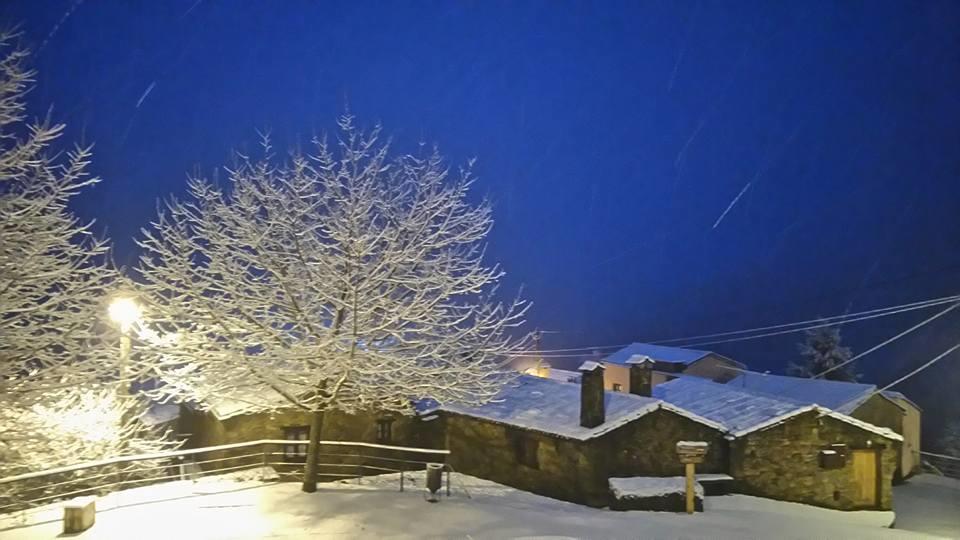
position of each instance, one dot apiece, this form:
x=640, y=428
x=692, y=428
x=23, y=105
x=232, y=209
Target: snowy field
x=221, y=509
x=929, y=504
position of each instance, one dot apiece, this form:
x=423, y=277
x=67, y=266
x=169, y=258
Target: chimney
x=641, y=375
x=592, y=412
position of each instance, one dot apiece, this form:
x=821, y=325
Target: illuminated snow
x=219, y=509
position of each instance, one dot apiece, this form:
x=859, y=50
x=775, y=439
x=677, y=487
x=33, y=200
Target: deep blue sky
x=611, y=137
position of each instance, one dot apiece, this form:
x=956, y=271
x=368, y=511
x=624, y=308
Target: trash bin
x=434, y=479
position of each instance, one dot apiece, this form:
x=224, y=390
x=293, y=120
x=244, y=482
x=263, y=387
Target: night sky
x=610, y=136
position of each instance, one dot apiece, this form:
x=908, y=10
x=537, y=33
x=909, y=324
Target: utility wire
x=919, y=369
x=885, y=343
x=826, y=321
x=920, y=304
x=821, y=325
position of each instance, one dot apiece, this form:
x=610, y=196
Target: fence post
x=448, y=482
x=401, y=480
x=263, y=470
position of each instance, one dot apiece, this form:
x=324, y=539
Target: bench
x=716, y=484
x=79, y=514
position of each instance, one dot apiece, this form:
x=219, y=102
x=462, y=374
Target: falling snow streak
x=146, y=93
x=732, y=203
x=73, y=7
x=187, y=12
x=678, y=162
x=764, y=167
x=683, y=48
x=720, y=97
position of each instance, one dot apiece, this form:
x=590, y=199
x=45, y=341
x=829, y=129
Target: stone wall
x=783, y=462
x=207, y=430
x=647, y=446
x=565, y=469
x=577, y=471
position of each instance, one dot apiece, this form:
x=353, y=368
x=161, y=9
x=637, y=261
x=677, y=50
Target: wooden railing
x=338, y=460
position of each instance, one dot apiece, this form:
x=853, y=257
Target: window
x=384, y=430
x=526, y=450
x=295, y=452
x=617, y=387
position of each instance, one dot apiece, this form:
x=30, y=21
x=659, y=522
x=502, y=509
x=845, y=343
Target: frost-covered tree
x=822, y=351
x=55, y=354
x=340, y=280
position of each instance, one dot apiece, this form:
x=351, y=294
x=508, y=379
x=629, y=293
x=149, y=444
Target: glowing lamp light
x=124, y=311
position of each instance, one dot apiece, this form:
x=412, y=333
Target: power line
x=835, y=320
x=923, y=303
x=921, y=368
x=822, y=325
x=894, y=338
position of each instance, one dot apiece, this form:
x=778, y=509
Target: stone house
x=566, y=440
x=668, y=362
x=859, y=400
x=223, y=422
x=789, y=450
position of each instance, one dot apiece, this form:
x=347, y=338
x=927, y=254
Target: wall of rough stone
x=647, y=446
x=566, y=469
x=578, y=471
x=782, y=462
x=207, y=430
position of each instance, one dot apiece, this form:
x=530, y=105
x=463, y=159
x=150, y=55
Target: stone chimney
x=592, y=412
x=641, y=375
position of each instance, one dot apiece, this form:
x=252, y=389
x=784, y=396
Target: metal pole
x=125, y=346
x=401, y=480
x=448, y=482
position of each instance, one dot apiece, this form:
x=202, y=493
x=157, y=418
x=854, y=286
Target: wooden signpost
x=691, y=453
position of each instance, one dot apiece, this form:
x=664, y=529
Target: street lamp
x=124, y=311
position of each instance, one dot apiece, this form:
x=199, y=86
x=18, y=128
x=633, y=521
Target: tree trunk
x=310, y=470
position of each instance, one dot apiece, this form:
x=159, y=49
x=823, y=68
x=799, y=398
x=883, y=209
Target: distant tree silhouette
x=821, y=351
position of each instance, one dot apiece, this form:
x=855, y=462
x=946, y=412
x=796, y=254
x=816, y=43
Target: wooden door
x=865, y=476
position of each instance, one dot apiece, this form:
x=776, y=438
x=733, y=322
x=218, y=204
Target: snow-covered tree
x=822, y=351
x=340, y=280
x=55, y=353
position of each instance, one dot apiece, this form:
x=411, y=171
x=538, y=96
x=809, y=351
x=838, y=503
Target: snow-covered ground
x=221, y=509
x=929, y=504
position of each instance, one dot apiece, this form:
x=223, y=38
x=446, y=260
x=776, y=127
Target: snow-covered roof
x=563, y=375
x=734, y=409
x=160, y=413
x=650, y=486
x=840, y=396
x=742, y=412
x=897, y=396
x=659, y=353
x=554, y=407
x=590, y=365
x=639, y=359
x=244, y=402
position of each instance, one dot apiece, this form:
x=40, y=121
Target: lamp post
x=125, y=312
